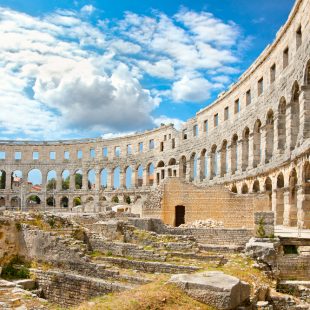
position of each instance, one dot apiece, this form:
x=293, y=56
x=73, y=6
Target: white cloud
x=163, y=119
x=88, y=9
x=162, y=68
x=195, y=89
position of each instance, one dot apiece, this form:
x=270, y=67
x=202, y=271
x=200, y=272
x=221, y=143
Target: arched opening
x=78, y=179
x=234, y=189
x=182, y=164
x=89, y=204
x=2, y=201
x=214, y=162
x=51, y=180
x=150, y=174
x=116, y=178
x=16, y=179
x=140, y=176
x=33, y=201
x=179, y=215
x=256, y=187
x=91, y=179
x=104, y=178
x=282, y=125
x=193, y=166
x=203, y=165
x=65, y=180
x=257, y=143
x=224, y=158
x=292, y=214
x=295, y=115
x=2, y=179
x=50, y=201
x=77, y=201
x=306, y=173
x=269, y=136
x=128, y=174
x=15, y=202
x=115, y=199
x=279, y=212
x=268, y=189
x=244, y=189
x=245, y=148
x=35, y=179
x=64, y=202
x=171, y=167
x=234, y=154
x=305, y=203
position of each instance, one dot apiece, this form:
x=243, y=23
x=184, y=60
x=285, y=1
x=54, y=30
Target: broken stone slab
x=214, y=288
x=26, y=284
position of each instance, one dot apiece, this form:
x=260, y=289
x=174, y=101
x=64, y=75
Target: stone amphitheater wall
x=254, y=138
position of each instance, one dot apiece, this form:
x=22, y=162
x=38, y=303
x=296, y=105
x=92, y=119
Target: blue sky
x=74, y=69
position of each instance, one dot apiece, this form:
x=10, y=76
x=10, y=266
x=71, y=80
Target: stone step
x=148, y=267
x=220, y=248
x=200, y=257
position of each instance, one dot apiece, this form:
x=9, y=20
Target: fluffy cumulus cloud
x=64, y=74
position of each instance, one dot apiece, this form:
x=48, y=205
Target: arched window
x=116, y=178
x=128, y=173
x=91, y=179
x=104, y=178
x=78, y=179
x=2, y=179
x=295, y=115
x=244, y=189
x=193, y=166
x=35, y=178
x=65, y=180
x=257, y=143
x=150, y=174
x=256, y=187
x=245, y=148
x=182, y=164
x=51, y=180
x=234, y=154
x=282, y=124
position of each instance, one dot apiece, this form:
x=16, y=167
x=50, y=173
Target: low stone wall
x=70, y=289
x=264, y=224
x=216, y=236
x=294, y=267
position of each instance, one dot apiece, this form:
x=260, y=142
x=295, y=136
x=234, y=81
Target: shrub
x=128, y=200
x=13, y=271
x=115, y=199
x=261, y=229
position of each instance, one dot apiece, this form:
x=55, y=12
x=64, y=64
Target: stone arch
x=2, y=179
x=50, y=201
x=160, y=164
x=295, y=115
x=91, y=179
x=116, y=177
x=268, y=190
x=171, y=167
x=290, y=216
x=307, y=74
x=65, y=180
x=182, y=167
x=224, y=158
x=33, y=200
x=150, y=174
x=234, y=189
x=15, y=202
x=245, y=148
x=214, y=162
x=35, y=179
x=269, y=128
x=2, y=201
x=89, y=204
x=234, y=154
x=282, y=124
x=78, y=179
x=257, y=133
x=51, y=180
x=203, y=164
x=64, y=202
x=128, y=177
x=244, y=188
x=193, y=166
x=172, y=162
x=140, y=176
x=306, y=177
x=103, y=178
x=304, y=204
x=77, y=201
x=279, y=208
x=256, y=186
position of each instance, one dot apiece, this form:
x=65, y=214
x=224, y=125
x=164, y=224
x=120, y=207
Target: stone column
x=122, y=179
x=239, y=156
x=97, y=180
x=279, y=203
x=58, y=181
x=134, y=178
x=145, y=178
x=188, y=171
x=110, y=179
x=198, y=172
x=228, y=160
x=8, y=181
x=85, y=180
x=72, y=182
x=44, y=180
x=287, y=207
x=251, y=154
x=304, y=105
x=276, y=150
x=263, y=145
x=303, y=208
x=210, y=167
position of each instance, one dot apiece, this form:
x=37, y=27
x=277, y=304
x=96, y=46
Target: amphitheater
x=253, y=140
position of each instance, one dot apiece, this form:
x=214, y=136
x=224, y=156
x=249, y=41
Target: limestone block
x=214, y=288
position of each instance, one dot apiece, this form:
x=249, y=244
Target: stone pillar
x=228, y=160
x=279, y=205
x=8, y=181
x=263, y=145
x=276, y=150
x=145, y=177
x=289, y=125
x=85, y=180
x=304, y=105
x=110, y=179
x=210, y=167
x=251, y=148
x=303, y=208
x=134, y=178
x=188, y=171
x=240, y=156
x=122, y=179
x=58, y=181
x=198, y=172
x=97, y=179
x=44, y=180
x=287, y=207
x=72, y=182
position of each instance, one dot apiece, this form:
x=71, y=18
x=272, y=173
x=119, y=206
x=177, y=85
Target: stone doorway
x=179, y=215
